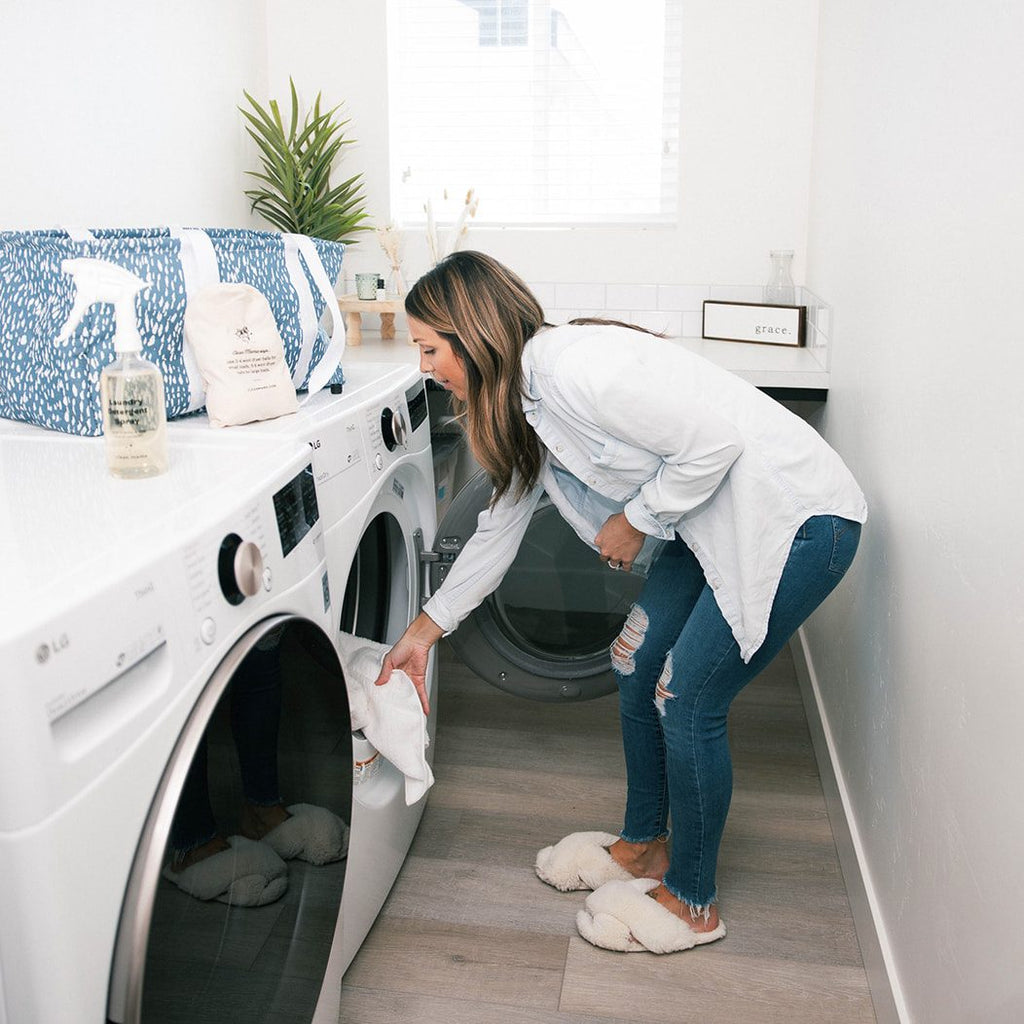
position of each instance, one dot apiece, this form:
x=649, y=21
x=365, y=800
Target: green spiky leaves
x=296, y=193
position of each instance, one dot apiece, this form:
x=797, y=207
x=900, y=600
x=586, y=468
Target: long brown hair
x=487, y=314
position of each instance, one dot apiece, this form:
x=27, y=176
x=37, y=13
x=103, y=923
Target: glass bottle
x=780, y=290
x=395, y=288
x=134, y=417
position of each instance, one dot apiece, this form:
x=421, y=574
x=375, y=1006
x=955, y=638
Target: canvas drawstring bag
x=231, y=331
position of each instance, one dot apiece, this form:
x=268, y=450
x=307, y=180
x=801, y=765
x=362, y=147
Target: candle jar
x=366, y=286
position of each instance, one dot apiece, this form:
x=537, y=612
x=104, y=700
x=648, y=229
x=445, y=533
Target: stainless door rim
x=124, y=1004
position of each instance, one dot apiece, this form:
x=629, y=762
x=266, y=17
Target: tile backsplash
x=674, y=309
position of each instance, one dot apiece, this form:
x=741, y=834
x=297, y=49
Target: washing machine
x=372, y=464
x=130, y=609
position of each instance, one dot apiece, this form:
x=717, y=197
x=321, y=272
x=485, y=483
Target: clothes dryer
x=127, y=612
x=372, y=463
x=546, y=631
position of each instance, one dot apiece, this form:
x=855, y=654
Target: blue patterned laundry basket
x=56, y=385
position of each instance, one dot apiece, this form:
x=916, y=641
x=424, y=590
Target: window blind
x=560, y=112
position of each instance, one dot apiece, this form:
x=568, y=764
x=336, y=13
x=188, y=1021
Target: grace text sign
x=752, y=321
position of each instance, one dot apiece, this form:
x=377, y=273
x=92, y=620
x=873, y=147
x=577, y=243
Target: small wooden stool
x=353, y=307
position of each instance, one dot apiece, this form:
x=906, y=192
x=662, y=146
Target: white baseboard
x=885, y=994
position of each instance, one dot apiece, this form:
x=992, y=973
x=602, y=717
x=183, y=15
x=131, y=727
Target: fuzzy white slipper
x=247, y=875
x=313, y=834
x=580, y=861
x=621, y=916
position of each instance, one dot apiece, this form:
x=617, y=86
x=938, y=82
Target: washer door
x=183, y=958
x=545, y=632
x=382, y=588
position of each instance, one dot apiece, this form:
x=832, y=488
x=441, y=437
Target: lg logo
x=43, y=651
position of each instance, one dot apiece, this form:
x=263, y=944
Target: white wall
x=339, y=49
x=120, y=113
x=916, y=235
x=125, y=114
x=748, y=85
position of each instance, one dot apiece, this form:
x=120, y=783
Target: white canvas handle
x=199, y=268
x=324, y=370
x=307, y=310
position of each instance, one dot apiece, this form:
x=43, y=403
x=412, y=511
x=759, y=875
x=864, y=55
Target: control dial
x=239, y=568
x=393, y=429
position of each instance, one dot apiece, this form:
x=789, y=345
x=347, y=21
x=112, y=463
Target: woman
x=639, y=444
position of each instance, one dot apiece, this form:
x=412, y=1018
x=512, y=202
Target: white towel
x=391, y=715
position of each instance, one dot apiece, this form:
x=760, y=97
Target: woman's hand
x=619, y=541
x=410, y=655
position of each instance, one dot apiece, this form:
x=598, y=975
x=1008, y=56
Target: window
x=502, y=22
x=554, y=111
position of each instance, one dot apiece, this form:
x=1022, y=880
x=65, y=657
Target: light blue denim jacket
x=636, y=423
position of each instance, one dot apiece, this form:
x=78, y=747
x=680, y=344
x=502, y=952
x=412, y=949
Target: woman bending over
x=646, y=450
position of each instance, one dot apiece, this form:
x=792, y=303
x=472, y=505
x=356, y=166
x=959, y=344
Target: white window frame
x=445, y=210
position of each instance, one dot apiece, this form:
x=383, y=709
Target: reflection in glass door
x=284, y=720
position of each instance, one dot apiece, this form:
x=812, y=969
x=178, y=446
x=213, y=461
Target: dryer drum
x=545, y=633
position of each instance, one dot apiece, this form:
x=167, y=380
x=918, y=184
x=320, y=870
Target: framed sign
x=756, y=322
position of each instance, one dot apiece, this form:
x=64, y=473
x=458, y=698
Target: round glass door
x=545, y=632
x=274, y=714
x=558, y=602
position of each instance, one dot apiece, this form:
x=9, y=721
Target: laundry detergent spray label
x=131, y=387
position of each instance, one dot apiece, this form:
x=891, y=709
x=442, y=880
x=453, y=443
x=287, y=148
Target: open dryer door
x=545, y=632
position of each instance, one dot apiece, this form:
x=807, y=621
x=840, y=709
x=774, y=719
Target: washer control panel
x=239, y=568
x=391, y=427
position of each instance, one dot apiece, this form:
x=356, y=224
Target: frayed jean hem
x=655, y=838
x=697, y=909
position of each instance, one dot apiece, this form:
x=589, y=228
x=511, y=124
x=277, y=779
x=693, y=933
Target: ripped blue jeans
x=679, y=667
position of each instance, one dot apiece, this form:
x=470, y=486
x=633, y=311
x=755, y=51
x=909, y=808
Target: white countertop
x=376, y=350
x=765, y=366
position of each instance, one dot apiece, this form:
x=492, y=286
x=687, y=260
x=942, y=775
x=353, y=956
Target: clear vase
x=780, y=290
x=395, y=286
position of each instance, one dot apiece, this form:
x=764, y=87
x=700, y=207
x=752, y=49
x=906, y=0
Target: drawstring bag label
x=232, y=333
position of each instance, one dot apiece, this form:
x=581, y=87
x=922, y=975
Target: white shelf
x=765, y=366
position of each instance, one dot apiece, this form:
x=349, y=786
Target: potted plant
x=296, y=193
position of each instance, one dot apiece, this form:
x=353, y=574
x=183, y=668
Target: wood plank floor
x=469, y=935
